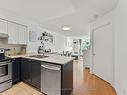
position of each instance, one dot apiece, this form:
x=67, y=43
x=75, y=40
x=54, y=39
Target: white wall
x=120, y=47
x=120, y=28
x=102, y=63
x=59, y=40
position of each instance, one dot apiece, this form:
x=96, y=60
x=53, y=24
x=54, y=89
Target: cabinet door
x=22, y=34
x=36, y=74
x=17, y=33
x=25, y=35
x=26, y=70
x=16, y=70
x=13, y=33
x=3, y=26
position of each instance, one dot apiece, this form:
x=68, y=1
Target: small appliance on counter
x=2, y=53
x=23, y=50
x=5, y=71
x=7, y=52
x=41, y=50
x=14, y=52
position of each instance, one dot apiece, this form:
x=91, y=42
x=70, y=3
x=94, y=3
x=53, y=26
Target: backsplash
x=4, y=44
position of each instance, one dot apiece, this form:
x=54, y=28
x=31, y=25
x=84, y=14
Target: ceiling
x=54, y=14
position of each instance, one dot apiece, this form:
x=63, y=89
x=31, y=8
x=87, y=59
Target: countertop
x=52, y=58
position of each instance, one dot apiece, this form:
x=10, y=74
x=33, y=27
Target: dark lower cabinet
x=36, y=74
x=67, y=78
x=16, y=70
x=26, y=70
x=31, y=72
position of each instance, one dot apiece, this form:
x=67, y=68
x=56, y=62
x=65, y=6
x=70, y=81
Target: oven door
x=5, y=71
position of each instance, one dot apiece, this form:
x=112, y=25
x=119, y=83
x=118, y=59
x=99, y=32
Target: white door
x=103, y=53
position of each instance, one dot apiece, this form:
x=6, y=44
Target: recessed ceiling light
x=66, y=28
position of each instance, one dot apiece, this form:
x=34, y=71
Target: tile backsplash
x=4, y=44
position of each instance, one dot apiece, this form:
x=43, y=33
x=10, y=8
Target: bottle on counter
x=7, y=52
x=14, y=51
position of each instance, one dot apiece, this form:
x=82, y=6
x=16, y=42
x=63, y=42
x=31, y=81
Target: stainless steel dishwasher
x=50, y=79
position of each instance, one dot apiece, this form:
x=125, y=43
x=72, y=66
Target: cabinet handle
x=29, y=60
x=5, y=63
x=51, y=67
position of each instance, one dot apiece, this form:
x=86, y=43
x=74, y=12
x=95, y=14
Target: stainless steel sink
x=39, y=56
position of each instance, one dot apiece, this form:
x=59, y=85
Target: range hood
x=4, y=36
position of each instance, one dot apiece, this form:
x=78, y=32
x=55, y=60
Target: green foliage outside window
x=85, y=43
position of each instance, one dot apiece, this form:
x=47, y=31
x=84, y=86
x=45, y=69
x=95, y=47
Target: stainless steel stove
x=5, y=71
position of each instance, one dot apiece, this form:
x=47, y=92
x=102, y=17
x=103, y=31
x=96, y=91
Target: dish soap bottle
x=14, y=51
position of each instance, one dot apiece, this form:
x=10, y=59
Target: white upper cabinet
x=17, y=33
x=22, y=34
x=3, y=26
x=13, y=33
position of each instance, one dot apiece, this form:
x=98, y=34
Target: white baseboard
x=120, y=90
x=117, y=89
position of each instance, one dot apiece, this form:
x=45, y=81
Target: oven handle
x=5, y=63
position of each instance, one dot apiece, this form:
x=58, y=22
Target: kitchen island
x=52, y=75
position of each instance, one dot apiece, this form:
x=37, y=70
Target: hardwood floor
x=21, y=89
x=84, y=84
x=88, y=84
